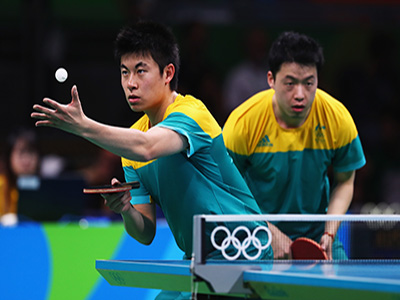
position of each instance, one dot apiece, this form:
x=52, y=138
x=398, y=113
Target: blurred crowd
x=371, y=93
x=24, y=161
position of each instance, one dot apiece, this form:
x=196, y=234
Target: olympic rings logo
x=240, y=246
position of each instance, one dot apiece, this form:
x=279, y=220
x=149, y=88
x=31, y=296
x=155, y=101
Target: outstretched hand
x=68, y=117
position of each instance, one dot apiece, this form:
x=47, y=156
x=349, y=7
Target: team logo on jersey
x=265, y=142
x=319, y=133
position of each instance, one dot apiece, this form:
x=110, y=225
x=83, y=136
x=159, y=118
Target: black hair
x=150, y=38
x=295, y=47
x=30, y=138
x=32, y=144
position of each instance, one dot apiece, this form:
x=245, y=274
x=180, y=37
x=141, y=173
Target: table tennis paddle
x=305, y=248
x=107, y=189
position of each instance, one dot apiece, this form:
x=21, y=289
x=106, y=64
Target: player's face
x=295, y=86
x=145, y=88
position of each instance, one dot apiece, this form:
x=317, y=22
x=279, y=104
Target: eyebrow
x=138, y=65
x=294, y=78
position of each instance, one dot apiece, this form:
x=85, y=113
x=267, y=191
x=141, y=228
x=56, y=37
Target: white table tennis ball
x=61, y=74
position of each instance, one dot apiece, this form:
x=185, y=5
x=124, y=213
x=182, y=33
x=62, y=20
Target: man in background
x=285, y=139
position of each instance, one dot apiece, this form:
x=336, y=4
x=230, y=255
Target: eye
x=124, y=72
x=290, y=83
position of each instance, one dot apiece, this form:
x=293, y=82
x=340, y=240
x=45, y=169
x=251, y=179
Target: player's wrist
x=331, y=235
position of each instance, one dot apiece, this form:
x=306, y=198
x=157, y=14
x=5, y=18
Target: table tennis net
x=248, y=237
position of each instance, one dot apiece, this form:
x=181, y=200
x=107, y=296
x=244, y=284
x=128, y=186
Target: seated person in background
x=21, y=158
x=283, y=141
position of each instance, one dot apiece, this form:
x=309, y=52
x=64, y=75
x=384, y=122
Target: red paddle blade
x=304, y=248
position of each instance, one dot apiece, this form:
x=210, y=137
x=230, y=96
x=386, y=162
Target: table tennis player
x=176, y=150
x=284, y=140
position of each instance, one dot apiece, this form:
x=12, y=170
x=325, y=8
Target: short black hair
x=295, y=47
x=149, y=38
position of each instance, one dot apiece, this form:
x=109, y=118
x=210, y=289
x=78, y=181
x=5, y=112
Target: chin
x=136, y=109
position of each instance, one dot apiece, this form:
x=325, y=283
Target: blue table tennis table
x=363, y=279
x=353, y=279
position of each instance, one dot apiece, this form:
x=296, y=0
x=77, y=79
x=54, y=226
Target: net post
x=198, y=239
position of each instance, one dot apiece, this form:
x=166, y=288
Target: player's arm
x=134, y=144
x=342, y=193
x=139, y=220
x=339, y=203
x=125, y=142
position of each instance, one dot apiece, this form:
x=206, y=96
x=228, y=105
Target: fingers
x=43, y=109
x=53, y=104
x=43, y=124
x=74, y=94
x=43, y=114
x=39, y=116
x=67, y=117
x=281, y=248
x=115, y=181
x=326, y=245
x=118, y=202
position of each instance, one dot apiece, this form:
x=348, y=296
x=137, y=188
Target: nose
x=132, y=83
x=299, y=92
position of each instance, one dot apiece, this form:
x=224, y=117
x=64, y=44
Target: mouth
x=298, y=108
x=133, y=99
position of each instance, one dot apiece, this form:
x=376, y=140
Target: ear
x=169, y=73
x=270, y=79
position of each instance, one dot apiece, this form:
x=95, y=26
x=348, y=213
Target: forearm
x=134, y=144
x=342, y=193
x=124, y=142
x=340, y=199
x=139, y=226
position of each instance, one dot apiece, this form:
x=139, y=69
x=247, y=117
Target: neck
x=157, y=115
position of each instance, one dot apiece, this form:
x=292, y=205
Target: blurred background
x=224, y=45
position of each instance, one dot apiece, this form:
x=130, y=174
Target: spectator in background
x=250, y=75
x=22, y=157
